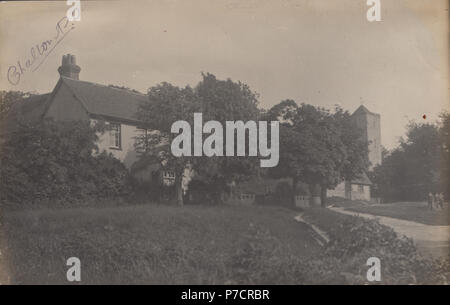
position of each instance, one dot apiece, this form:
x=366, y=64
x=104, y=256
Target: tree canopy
x=419, y=165
x=317, y=147
x=219, y=100
x=8, y=98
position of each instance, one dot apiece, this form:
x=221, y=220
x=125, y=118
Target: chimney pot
x=69, y=68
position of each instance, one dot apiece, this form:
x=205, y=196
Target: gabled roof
x=98, y=100
x=363, y=110
x=362, y=179
x=105, y=100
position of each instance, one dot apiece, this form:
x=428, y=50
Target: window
x=141, y=140
x=141, y=132
x=361, y=188
x=169, y=175
x=115, y=136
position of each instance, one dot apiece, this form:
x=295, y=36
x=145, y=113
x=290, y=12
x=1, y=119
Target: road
x=430, y=240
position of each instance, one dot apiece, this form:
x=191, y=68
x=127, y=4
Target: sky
x=314, y=51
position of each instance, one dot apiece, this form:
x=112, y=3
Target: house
x=269, y=191
x=73, y=99
x=356, y=189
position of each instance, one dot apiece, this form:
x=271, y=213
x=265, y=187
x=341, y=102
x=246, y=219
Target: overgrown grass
x=153, y=244
x=354, y=239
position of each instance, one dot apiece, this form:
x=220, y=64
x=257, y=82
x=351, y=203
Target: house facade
x=73, y=99
x=356, y=189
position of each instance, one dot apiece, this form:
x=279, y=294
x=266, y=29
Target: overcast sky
x=314, y=51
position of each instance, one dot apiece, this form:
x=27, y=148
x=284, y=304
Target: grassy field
x=414, y=211
x=154, y=244
x=160, y=244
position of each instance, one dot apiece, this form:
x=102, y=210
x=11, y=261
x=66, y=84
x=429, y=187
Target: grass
x=154, y=244
x=160, y=244
x=413, y=211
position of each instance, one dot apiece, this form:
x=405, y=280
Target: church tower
x=369, y=123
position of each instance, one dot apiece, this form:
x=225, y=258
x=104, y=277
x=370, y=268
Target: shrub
x=354, y=239
x=50, y=161
x=261, y=259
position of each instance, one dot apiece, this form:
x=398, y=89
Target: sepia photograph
x=224, y=143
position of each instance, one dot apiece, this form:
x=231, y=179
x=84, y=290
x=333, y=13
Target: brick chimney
x=69, y=67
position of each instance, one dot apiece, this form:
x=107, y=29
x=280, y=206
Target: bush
x=261, y=259
x=57, y=161
x=354, y=239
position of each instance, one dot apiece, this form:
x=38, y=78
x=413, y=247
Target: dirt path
x=431, y=240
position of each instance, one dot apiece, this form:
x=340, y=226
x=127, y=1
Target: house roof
x=106, y=100
x=362, y=179
x=98, y=100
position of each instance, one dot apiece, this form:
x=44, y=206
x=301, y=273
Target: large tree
x=219, y=100
x=166, y=104
x=444, y=134
x=419, y=165
x=317, y=147
x=226, y=100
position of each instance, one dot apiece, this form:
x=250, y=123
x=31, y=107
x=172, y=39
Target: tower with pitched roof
x=369, y=123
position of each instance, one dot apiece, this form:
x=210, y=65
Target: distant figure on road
x=440, y=200
x=430, y=200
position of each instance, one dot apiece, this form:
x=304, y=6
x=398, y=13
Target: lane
x=431, y=240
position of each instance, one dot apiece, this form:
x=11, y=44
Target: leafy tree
x=444, y=134
x=225, y=100
x=8, y=98
x=54, y=161
x=220, y=100
x=316, y=146
x=417, y=166
x=166, y=104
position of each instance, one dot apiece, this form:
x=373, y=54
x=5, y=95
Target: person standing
x=430, y=201
x=440, y=200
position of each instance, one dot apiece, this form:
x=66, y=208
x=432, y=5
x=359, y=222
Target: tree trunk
x=294, y=190
x=179, y=188
x=323, y=196
x=312, y=190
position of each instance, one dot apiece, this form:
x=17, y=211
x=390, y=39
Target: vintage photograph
x=228, y=142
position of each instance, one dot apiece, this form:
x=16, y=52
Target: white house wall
x=357, y=195
x=338, y=191
x=127, y=154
